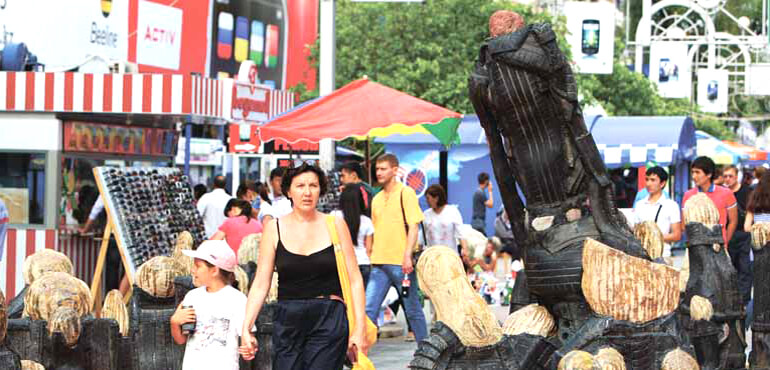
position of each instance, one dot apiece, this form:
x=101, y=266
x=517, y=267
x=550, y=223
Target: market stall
x=56, y=127
x=622, y=141
x=756, y=156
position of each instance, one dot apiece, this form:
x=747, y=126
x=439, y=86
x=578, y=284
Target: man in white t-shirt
x=281, y=205
x=655, y=207
x=211, y=206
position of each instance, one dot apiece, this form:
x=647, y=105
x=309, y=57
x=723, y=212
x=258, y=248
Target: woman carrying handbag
x=311, y=327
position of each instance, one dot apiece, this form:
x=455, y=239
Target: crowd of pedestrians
x=381, y=233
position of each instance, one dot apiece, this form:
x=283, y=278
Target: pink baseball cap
x=215, y=252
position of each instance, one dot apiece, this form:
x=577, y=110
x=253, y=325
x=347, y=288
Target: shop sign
x=244, y=139
x=159, y=35
x=251, y=103
x=64, y=33
x=203, y=152
x=114, y=139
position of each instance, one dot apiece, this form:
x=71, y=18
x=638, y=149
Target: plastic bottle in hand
x=405, y=284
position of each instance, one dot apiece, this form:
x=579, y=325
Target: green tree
x=428, y=50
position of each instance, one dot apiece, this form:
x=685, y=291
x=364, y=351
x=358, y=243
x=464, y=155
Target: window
x=22, y=186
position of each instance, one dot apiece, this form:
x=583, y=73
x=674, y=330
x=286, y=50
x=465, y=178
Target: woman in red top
x=239, y=223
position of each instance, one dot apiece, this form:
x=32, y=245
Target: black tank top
x=303, y=277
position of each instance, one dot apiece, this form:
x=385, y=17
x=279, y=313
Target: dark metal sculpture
x=525, y=95
x=711, y=311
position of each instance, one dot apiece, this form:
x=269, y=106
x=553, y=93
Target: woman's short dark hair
x=437, y=191
x=239, y=203
x=291, y=173
x=244, y=188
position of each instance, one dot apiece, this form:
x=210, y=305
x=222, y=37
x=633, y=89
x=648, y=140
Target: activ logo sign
x=159, y=35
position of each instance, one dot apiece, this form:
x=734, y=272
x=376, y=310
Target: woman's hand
x=357, y=343
x=249, y=346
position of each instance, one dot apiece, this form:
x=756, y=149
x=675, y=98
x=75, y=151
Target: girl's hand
x=249, y=346
x=183, y=315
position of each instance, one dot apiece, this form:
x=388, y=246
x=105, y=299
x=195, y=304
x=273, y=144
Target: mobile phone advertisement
x=591, y=35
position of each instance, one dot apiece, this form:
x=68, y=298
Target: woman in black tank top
x=310, y=324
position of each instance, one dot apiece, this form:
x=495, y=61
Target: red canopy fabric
x=353, y=110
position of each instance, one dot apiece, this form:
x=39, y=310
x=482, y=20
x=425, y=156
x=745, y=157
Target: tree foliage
x=428, y=50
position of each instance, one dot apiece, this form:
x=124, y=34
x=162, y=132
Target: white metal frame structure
x=692, y=22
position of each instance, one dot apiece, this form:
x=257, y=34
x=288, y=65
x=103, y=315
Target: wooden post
x=108, y=231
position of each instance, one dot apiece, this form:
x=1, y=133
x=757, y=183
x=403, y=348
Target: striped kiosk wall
x=21, y=243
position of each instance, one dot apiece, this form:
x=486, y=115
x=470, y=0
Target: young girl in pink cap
x=215, y=307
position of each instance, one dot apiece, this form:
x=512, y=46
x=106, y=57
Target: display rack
x=146, y=209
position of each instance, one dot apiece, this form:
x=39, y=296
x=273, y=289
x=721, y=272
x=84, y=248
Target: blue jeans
x=381, y=279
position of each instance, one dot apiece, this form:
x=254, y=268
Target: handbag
x=363, y=362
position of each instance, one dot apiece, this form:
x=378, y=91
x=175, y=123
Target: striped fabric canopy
x=720, y=152
x=636, y=141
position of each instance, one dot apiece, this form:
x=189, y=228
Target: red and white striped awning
x=124, y=93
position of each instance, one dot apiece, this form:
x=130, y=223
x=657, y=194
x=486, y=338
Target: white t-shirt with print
x=365, y=228
x=443, y=228
x=219, y=317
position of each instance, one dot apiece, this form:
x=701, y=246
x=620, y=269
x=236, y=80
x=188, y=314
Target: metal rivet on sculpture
x=156, y=276
x=760, y=326
x=115, y=309
x=712, y=314
x=60, y=299
x=605, y=293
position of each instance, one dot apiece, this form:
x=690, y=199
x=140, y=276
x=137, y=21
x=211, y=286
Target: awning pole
x=187, y=142
x=367, y=161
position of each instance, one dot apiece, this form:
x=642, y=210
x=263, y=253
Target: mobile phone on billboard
x=590, y=40
x=225, y=35
x=271, y=49
x=257, y=44
x=712, y=90
x=241, y=39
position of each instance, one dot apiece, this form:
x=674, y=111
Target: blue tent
x=622, y=142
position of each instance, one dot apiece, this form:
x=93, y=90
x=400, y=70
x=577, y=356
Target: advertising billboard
x=169, y=36
x=713, y=90
x=670, y=69
x=591, y=35
x=64, y=33
x=253, y=30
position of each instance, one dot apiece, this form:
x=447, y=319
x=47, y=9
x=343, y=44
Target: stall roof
x=622, y=141
x=198, y=98
x=636, y=141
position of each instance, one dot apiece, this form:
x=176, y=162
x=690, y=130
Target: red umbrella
x=363, y=108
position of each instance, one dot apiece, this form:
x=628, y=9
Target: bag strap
x=342, y=270
x=403, y=213
x=658, y=213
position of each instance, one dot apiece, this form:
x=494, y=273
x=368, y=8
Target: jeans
x=366, y=270
x=380, y=281
x=739, y=248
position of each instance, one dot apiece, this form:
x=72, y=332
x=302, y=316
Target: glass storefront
x=22, y=186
